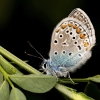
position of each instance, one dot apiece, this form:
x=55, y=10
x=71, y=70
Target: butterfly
x=71, y=44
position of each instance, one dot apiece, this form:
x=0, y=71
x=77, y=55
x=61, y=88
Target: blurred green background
x=34, y=21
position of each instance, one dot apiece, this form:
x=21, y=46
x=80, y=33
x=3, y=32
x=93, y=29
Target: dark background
x=34, y=21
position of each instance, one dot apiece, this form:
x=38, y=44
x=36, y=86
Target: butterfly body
x=71, y=44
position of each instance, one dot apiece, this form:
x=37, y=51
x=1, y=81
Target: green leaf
x=71, y=93
x=92, y=91
x=4, y=91
x=34, y=83
x=16, y=94
x=95, y=78
x=1, y=78
x=82, y=96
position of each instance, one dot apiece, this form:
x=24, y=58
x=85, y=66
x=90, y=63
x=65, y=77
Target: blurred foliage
x=6, y=10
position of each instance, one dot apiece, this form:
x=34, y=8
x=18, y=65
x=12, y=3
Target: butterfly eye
x=44, y=65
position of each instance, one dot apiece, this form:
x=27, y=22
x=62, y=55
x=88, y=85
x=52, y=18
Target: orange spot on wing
x=63, y=26
x=78, y=30
x=87, y=48
x=82, y=36
x=70, y=25
x=86, y=44
x=58, y=29
x=75, y=27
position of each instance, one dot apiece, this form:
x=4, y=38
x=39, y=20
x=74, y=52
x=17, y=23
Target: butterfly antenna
x=32, y=55
x=35, y=50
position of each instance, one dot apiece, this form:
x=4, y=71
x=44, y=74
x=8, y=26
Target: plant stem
x=18, y=61
x=6, y=76
x=68, y=81
x=80, y=80
x=9, y=68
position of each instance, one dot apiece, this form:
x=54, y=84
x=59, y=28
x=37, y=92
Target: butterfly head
x=54, y=70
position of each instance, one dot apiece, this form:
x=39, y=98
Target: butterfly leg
x=70, y=77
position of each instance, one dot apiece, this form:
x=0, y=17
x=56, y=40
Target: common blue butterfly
x=71, y=44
